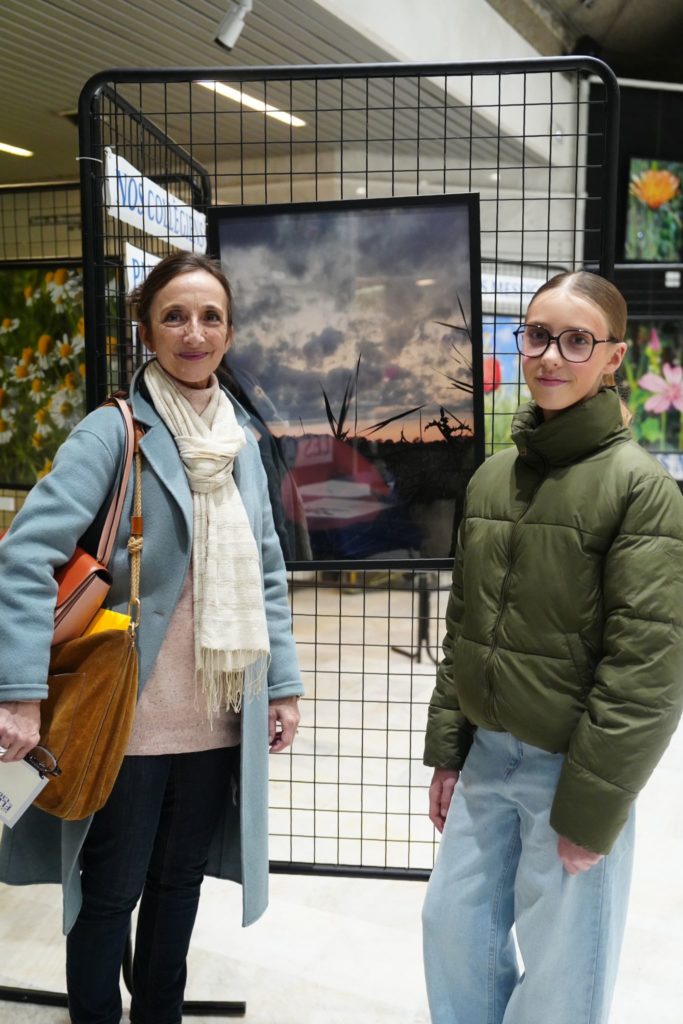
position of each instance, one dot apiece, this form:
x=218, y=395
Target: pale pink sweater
x=171, y=715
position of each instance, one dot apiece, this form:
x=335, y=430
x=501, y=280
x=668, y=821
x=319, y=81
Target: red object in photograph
x=337, y=485
x=492, y=374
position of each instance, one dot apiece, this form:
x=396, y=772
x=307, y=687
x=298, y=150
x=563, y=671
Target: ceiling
x=638, y=38
x=51, y=47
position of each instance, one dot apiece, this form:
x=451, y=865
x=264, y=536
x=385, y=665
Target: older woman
x=219, y=681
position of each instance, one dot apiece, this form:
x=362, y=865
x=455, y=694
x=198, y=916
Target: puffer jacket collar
x=572, y=435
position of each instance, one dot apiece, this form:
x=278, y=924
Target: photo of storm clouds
x=355, y=350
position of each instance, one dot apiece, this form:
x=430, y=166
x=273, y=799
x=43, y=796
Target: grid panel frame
x=350, y=797
x=40, y=221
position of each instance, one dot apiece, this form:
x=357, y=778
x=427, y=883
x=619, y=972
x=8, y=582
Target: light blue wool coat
x=57, y=512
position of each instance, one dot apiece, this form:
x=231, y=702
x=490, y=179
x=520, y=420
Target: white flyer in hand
x=20, y=784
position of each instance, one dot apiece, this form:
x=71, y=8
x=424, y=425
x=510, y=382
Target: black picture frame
x=358, y=354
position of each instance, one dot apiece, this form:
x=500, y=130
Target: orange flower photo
x=654, y=188
x=654, y=231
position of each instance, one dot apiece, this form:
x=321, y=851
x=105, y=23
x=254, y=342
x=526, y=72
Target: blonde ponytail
x=610, y=381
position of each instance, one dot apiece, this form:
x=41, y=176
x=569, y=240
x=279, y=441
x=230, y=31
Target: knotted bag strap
x=135, y=540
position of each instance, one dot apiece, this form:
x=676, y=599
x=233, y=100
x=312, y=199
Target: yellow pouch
x=106, y=619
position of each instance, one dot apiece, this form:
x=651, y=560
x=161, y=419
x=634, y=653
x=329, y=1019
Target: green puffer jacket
x=565, y=621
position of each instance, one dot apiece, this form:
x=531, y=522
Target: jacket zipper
x=488, y=689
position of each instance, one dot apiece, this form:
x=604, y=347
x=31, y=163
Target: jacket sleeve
x=283, y=674
x=449, y=733
x=635, y=703
x=43, y=537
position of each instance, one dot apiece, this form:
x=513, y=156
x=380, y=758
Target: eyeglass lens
x=43, y=761
x=575, y=346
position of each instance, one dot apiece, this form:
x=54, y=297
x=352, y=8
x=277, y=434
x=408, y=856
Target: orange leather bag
x=84, y=581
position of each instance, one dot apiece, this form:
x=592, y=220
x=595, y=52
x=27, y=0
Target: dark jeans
x=151, y=839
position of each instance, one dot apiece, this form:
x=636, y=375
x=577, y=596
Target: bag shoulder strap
x=132, y=433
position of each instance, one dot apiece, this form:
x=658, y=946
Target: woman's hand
x=576, y=858
x=283, y=719
x=440, y=794
x=19, y=728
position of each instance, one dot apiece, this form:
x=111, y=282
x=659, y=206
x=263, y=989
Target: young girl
x=560, y=688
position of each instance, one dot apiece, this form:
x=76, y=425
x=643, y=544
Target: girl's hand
x=576, y=858
x=19, y=728
x=283, y=719
x=440, y=794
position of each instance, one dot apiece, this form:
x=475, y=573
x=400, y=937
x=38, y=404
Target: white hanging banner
x=138, y=264
x=140, y=202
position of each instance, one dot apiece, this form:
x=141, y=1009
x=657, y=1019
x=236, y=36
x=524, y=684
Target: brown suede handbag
x=87, y=716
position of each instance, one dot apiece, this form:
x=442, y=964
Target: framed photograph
x=358, y=355
x=503, y=383
x=42, y=365
x=653, y=370
x=654, y=216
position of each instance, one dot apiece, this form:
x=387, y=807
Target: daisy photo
x=42, y=386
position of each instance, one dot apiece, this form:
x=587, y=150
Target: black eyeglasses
x=573, y=345
x=44, y=761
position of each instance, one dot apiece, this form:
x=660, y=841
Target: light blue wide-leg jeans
x=498, y=867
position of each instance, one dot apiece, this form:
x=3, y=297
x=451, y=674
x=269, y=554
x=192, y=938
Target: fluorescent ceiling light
x=239, y=96
x=14, y=150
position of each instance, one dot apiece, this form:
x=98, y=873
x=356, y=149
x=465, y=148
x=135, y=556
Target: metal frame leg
x=191, y=1008
x=424, y=599
x=34, y=996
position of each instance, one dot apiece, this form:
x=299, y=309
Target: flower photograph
x=654, y=232
x=653, y=370
x=504, y=387
x=42, y=366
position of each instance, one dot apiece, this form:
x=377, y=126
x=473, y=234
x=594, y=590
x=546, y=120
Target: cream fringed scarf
x=232, y=651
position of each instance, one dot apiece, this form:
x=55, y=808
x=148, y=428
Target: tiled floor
x=331, y=951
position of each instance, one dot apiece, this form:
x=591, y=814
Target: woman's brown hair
x=142, y=297
x=611, y=303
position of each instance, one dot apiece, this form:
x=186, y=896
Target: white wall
x=539, y=107
x=444, y=30
x=434, y=30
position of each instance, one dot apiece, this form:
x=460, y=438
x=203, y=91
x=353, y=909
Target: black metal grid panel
x=350, y=797
x=352, y=791
x=122, y=126
x=516, y=132
x=40, y=221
